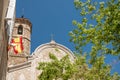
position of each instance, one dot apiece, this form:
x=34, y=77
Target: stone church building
x=23, y=65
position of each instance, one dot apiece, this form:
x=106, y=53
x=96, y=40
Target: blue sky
x=48, y=17
x=52, y=17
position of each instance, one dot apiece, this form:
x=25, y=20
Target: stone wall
x=20, y=72
x=3, y=39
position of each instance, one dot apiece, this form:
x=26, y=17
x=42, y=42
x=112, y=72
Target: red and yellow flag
x=18, y=46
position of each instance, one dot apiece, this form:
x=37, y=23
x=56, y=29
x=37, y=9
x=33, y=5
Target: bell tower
x=19, y=49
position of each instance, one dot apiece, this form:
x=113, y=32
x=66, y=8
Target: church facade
x=22, y=65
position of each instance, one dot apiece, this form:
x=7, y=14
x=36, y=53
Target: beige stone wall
x=13, y=60
x=3, y=39
x=21, y=73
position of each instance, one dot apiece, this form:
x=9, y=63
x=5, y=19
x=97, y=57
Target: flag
x=17, y=45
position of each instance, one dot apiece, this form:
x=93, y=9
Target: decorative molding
x=19, y=55
x=19, y=66
x=53, y=45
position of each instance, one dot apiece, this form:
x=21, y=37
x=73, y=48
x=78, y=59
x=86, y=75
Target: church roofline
x=53, y=43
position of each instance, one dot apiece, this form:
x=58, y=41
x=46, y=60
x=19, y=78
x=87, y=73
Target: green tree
x=100, y=27
x=56, y=69
x=64, y=69
x=104, y=31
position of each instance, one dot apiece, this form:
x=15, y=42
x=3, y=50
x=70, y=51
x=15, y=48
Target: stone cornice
x=19, y=66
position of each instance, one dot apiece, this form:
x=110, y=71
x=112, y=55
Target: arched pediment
x=58, y=50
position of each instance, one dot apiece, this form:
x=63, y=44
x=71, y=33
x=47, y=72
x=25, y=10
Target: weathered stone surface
x=3, y=39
